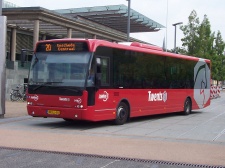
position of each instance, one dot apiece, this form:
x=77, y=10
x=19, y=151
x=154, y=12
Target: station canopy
x=114, y=16
x=104, y=22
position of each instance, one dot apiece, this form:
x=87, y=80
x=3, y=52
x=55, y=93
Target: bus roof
x=133, y=46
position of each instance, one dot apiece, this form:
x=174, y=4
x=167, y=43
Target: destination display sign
x=62, y=47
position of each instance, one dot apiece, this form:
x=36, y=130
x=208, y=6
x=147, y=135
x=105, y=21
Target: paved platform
x=54, y=135
x=15, y=109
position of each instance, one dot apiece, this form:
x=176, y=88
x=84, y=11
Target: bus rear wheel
x=187, y=106
x=121, y=114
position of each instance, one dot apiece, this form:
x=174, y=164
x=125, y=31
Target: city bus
x=95, y=80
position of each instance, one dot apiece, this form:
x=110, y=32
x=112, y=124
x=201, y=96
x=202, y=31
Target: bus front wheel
x=121, y=114
x=187, y=106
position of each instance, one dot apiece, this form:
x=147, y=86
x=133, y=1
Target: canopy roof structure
x=114, y=16
x=102, y=22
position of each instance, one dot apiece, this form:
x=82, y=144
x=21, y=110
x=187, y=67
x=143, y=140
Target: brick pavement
x=187, y=152
x=15, y=109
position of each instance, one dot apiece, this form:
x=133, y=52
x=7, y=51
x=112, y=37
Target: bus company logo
x=201, y=83
x=34, y=97
x=79, y=101
x=157, y=96
x=104, y=96
x=64, y=99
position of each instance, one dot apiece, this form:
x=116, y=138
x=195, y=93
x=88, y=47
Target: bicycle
x=18, y=93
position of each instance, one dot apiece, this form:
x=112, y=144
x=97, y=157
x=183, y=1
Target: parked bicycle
x=18, y=93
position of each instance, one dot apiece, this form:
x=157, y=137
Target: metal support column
x=69, y=33
x=13, y=45
x=35, y=33
x=2, y=63
x=128, y=22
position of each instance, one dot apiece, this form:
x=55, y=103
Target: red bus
x=94, y=80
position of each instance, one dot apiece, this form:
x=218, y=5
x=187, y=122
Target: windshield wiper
x=76, y=90
x=67, y=88
x=44, y=84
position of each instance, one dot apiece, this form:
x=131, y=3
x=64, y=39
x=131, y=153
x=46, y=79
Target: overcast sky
x=178, y=11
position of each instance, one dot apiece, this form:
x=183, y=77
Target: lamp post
x=128, y=22
x=175, y=25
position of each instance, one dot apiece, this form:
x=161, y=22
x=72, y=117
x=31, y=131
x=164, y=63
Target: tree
x=219, y=45
x=218, y=59
x=200, y=41
x=190, y=33
x=204, y=45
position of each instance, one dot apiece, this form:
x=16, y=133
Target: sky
x=165, y=12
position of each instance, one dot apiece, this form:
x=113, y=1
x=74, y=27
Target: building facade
x=28, y=25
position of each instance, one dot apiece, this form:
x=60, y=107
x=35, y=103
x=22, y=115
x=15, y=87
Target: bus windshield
x=59, y=69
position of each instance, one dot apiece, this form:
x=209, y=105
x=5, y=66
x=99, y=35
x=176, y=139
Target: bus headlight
x=79, y=106
x=29, y=103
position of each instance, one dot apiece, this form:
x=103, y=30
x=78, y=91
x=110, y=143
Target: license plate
x=53, y=112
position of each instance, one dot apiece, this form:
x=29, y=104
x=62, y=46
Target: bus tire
x=187, y=106
x=122, y=113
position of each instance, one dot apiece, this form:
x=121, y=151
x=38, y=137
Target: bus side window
x=103, y=70
x=98, y=72
x=98, y=61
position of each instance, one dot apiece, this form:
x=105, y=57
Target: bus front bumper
x=58, y=112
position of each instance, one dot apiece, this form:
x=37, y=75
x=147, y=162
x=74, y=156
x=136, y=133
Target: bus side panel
x=146, y=102
x=201, y=98
x=208, y=103
x=176, y=99
x=159, y=101
x=142, y=101
x=105, y=105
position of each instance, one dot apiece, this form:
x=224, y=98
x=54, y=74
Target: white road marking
x=110, y=163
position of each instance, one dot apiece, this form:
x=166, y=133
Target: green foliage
x=218, y=58
x=200, y=41
x=190, y=34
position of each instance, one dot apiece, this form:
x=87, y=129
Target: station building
x=28, y=25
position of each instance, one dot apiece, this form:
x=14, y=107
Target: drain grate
x=117, y=158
